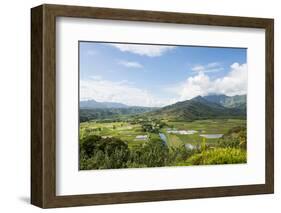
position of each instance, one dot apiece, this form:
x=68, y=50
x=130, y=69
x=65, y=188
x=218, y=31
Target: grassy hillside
x=196, y=109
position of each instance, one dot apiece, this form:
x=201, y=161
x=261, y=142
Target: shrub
x=154, y=153
x=103, y=153
x=234, y=138
x=219, y=156
x=180, y=154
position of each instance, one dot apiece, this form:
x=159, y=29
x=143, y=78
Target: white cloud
x=235, y=83
x=130, y=64
x=198, y=68
x=122, y=92
x=144, y=50
x=211, y=67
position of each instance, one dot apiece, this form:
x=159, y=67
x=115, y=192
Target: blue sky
x=158, y=75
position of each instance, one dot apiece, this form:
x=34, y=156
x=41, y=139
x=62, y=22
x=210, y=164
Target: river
x=163, y=138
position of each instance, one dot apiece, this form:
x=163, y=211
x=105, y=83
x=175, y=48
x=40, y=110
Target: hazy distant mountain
x=92, y=104
x=237, y=101
x=197, y=108
x=92, y=109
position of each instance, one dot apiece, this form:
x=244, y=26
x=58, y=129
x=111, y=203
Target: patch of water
x=163, y=138
x=182, y=132
x=211, y=136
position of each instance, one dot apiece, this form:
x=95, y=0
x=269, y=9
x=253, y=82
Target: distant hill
x=237, y=101
x=92, y=109
x=92, y=104
x=111, y=113
x=207, y=107
x=197, y=108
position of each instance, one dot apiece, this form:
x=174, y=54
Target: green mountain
x=87, y=114
x=237, y=101
x=196, y=108
x=207, y=107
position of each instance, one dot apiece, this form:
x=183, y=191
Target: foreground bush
x=103, y=153
x=234, y=138
x=219, y=156
x=112, y=153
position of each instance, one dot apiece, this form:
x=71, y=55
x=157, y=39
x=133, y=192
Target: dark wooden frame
x=43, y=105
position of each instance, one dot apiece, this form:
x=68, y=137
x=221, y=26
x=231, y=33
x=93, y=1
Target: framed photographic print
x=136, y=106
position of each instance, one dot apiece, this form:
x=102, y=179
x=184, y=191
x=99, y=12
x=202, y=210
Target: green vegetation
x=200, y=131
x=111, y=153
x=235, y=138
x=237, y=101
x=197, y=108
x=108, y=114
x=218, y=156
x=115, y=144
x=99, y=153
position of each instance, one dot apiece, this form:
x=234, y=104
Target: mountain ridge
x=206, y=107
x=197, y=108
x=93, y=104
x=236, y=101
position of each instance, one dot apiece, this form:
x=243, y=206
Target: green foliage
x=109, y=133
x=147, y=127
x=154, y=153
x=111, y=113
x=196, y=109
x=103, y=153
x=219, y=156
x=112, y=145
x=90, y=144
x=234, y=138
x=179, y=154
x=110, y=153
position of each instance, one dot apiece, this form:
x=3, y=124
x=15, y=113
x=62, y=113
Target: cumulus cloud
x=122, y=92
x=144, y=50
x=130, y=64
x=211, y=67
x=234, y=83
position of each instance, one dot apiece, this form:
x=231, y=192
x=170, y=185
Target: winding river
x=163, y=138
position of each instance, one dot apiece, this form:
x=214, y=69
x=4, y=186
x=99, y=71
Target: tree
x=90, y=144
x=234, y=138
x=103, y=153
x=154, y=153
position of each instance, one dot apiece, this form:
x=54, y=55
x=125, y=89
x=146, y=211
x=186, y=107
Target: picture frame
x=43, y=105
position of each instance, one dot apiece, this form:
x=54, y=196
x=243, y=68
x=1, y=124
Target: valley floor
x=196, y=137
x=174, y=132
